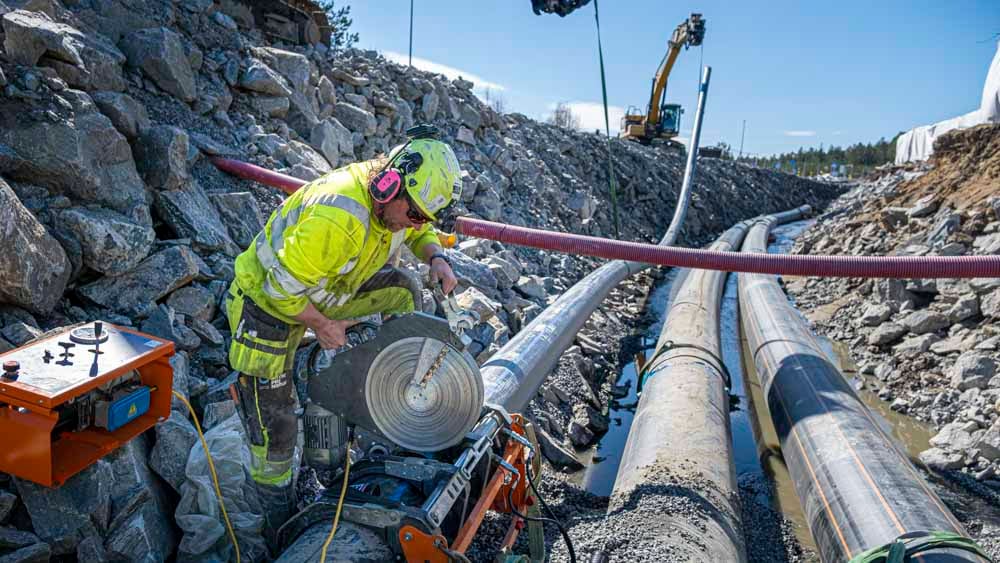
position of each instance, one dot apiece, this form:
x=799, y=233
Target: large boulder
x=174, y=439
x=80, y=508
x=141, y=526
x=160, y=53
x=922, y=322
x=29, y=35
x=271, y=106
x=886, y=333
x=429, y=105
x=241, y=215
x=161, y=156
x=79, y=154
x=876, y=314
x=558, y=455
x=295, y=69
x=333, y=140
x=355, y=118
x=471, y=273
x=191, y=215
x=938, y=459
x=116, y=18
x=953, y=436
x=972, y=370
x=127, y=115
x=82, y=60
x=111, y=243
x=33, y=268
x=152, y=279
x=297, y=153
x=260, y=78
x=989, y=443
x=194, y=302
x=293, y=66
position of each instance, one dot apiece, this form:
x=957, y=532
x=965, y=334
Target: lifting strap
x=907, y=545
x=607, y=128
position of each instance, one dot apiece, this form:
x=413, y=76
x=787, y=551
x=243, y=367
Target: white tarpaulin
x=918, y=144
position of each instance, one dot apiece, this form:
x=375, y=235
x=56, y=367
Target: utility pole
x=742, y=135
x=411, y=32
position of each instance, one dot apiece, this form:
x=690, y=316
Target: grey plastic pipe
x=516, y=372
x=680, y=442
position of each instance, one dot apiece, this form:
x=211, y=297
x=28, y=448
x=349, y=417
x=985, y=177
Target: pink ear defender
x=387, y=186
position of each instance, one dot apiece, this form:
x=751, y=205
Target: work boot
x=279, y=505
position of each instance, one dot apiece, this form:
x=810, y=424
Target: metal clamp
x=459, y=319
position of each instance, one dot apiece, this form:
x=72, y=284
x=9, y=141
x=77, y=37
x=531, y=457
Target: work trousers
x=263, y=351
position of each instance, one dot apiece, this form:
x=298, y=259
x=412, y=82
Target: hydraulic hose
x=759, y=263
x=252, y=172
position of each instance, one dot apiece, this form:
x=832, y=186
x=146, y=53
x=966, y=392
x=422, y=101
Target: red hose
x=786, y=264
x=247, y=171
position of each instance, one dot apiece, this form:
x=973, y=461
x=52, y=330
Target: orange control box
x=70, y=399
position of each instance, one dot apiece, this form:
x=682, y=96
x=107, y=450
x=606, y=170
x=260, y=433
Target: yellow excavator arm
x=689, y=33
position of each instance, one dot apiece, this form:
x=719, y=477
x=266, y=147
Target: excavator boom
x=645, y=127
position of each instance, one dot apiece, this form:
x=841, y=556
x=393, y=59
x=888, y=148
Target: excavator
x=662, y=121
x=561, y=7
x=299, y=22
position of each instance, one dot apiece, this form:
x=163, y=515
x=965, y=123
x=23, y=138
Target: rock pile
x=108, y=111
x=930, y=347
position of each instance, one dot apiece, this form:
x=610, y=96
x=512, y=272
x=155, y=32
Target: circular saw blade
x=423, y=394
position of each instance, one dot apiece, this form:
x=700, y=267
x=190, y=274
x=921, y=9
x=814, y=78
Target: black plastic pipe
x=857, y=489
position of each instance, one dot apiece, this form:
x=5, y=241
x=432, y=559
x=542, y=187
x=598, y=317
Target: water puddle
x=602, y=461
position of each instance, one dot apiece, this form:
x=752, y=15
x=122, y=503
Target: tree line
x=856, y=159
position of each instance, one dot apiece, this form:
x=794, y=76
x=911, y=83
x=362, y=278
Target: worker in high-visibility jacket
x=319, y=263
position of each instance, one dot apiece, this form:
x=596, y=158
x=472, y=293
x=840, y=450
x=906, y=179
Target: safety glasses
x=413, y=213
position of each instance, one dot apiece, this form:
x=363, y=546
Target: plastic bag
x=198, y=514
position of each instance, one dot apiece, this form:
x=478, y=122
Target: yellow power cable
x=215, y=477
x=340, y=503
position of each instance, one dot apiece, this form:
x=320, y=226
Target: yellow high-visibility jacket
x=320, y=245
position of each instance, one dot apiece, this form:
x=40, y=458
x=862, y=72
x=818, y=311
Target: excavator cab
x=670, y=120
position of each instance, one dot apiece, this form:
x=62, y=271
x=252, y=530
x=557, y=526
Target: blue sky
x=800, y=73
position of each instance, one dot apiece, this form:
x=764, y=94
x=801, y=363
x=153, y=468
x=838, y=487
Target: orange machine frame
x=28, y=448
x=419, y=547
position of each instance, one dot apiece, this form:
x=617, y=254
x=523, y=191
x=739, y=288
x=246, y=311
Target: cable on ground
x=553, y=520
x=343, y=494
x=215, y=477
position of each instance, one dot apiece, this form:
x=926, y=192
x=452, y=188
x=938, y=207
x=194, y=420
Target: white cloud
x=800, y=133
x=591, y=115
x=449, y=71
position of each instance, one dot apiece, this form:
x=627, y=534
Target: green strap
x=908, y=545
x=607, y=128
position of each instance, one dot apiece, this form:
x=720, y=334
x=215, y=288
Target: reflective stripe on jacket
x=320, y=245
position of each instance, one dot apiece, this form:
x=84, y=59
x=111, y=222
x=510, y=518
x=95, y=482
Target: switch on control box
x=70, y=399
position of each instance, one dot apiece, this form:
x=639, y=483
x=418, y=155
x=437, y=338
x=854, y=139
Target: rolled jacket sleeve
x=417, y=239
